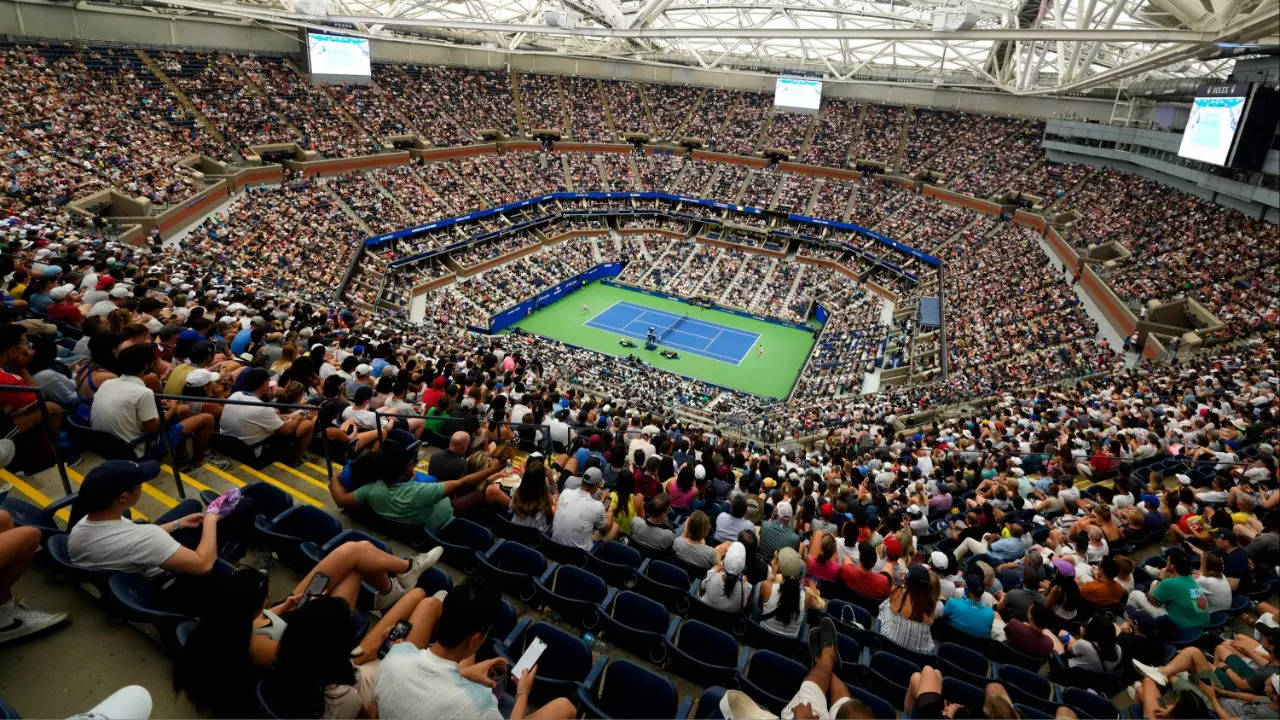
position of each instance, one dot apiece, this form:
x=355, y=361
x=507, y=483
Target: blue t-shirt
x=1007, y=549
x=375, y=368
x=40, y=303
x=241, y=341
x=969, y=616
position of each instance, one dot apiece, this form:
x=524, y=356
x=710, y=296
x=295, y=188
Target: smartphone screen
x=529, y=658
x=316, y=587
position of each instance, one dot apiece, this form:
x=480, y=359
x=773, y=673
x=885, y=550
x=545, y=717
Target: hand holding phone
x=315, y=588
x=529, y=658
x=398, y=632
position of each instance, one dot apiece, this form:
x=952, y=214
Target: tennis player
x=760, y=350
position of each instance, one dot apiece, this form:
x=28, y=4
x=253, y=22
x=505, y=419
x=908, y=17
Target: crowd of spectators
x=760, y=187
x=794, y=193
x=786, y=131
x=540, y=103
x=836, y=128
x=586, y=110
x=711, y=113
x=673, y=107
x=309, y=108
x=627, y=108
x=615, y=168
x=484, y=251
x=366, y=196
x=880, y=135
x=584, y=174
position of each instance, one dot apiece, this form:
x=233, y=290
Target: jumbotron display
x=338, y=55
x=1211, y=129
x=800, y=94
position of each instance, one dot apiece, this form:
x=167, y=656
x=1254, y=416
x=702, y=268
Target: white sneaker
x=418, y=564
x=1132, y=691
x=440, y=595
x=18, y=620
x=383, y=601
x=1152, y=672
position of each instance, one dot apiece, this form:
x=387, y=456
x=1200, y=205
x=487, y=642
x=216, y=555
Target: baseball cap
x=938, y=559
x=1065, y=567
x=592, y=476
x=892, y=548
x=200, y=377
x=782, y=512
x=363, y=369
x=735, y=559
x=1226, y=534
x=61, y=291
x=790, y=563
x=113, y=477
x=917, y=576
x=973, y=583
x=120, y=292
x=827, y=510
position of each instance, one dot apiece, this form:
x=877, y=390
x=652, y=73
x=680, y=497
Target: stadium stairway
x=183, y=100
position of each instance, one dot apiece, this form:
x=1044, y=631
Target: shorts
x=176, y=435
x=927, y=706
x=814, y=696
x=1240, y=667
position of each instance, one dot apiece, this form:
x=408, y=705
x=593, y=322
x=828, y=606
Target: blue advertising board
x=506, y=318
x=376, y=240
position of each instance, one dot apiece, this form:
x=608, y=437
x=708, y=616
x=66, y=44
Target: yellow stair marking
x=38, y=497
x=302, y=476
x=78, y=479
x=199, y=486
x=272, y=481
x=224, y=475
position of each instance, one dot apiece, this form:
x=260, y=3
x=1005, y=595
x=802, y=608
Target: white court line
x=704, y=352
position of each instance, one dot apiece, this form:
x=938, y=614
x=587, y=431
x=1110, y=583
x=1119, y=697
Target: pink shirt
x=829, y=570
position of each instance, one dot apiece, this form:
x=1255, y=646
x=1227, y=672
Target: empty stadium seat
x=513, y=567
x=615, y=562
x=636, y=624
x=134, y=596
x=463, y=541
x=963, y=663
x=285, y=533
x=1089, y=704
x=1028, y=688
x=701, y=653
x=574, y=594
x=770, y=679
x=889, y=676
x=664, y=582
x=626, y=690
x=564, y=665
x=967, y=694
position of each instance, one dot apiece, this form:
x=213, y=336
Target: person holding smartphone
x=444, y=680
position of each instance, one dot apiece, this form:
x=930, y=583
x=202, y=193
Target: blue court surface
x=677, y=332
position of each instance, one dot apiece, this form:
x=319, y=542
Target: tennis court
x=677, y=332
x=714, y=345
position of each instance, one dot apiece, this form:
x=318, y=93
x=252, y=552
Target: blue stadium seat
x=1005, y=654
x=1028, y=688
x=463, y=541
x=709, y=704
x=1090, y=705
x=433, y=579
x=574, y=594
x=734, y=623
x=134, y=596
x=59, y=556
x=759, y=636
x=285, y=533
x=564, y=665
x=615, y=562
x=7, y=712
x=881, y=708
x=770, y=679
x=513, y=567
x=664, y=582
x=1031, y=712
x=523, y=534
x=701, y=653
x=967, y=694
x=626, y=690
x=564, y=554
x=636, y=624
x=889, y=676
x=963, y=663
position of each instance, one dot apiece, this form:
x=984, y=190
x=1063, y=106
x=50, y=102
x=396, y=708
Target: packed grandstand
x=979, y=514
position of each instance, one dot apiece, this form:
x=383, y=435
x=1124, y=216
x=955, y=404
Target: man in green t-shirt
x=405, y=499
x=1175, y=595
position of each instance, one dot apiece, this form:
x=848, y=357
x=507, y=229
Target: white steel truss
x=1024, y=47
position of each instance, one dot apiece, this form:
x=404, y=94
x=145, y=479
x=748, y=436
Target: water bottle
x=595, y=644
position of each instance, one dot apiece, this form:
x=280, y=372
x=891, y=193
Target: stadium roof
x=1019, y=46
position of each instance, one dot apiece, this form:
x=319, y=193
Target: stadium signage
x=489, y=212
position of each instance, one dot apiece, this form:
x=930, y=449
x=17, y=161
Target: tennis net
x=673, y=326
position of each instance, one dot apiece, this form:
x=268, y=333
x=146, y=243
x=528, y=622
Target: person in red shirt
x=1031, y=637
x=432, y=395
x=23, y=407
x=861, y=578
x=66, y=306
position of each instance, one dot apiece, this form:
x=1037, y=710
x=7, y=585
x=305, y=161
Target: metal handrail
x=46, y=422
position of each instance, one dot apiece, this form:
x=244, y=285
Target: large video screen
x=337, y=55
x=798, y=93
x=1211, y=128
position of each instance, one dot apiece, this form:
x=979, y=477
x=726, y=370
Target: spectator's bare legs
x=18, y=546
x=200, y=428
x=361, y=560
x=1065, y=713
x=302, y=437
x=1188, y=659
x=421, y=611
x=836, y=689
x=927, y=680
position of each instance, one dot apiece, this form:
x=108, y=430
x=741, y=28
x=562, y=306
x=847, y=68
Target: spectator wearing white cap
x=116, y=297
x=65, y=307
x=725, y=587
